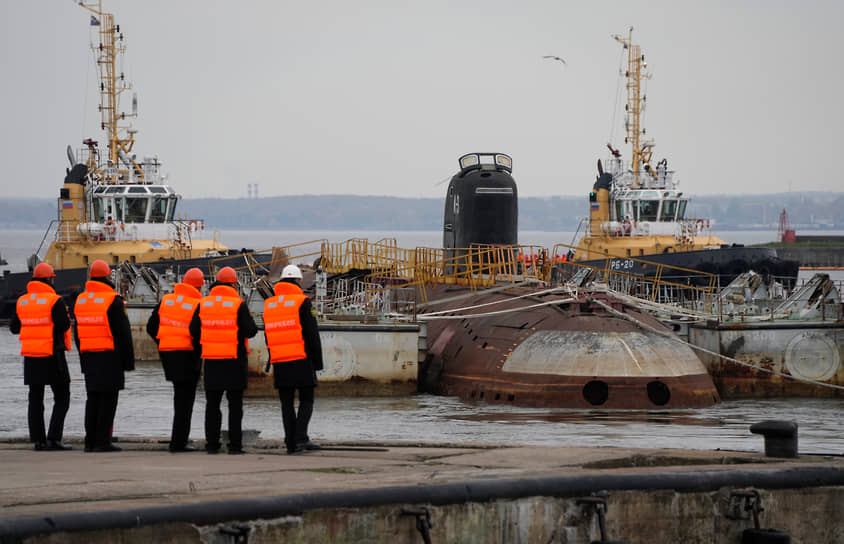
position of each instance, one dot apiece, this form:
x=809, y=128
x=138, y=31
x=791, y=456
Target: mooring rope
x=656, y=306
x=538, y=293
x=431, y=316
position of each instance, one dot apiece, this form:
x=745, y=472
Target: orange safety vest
x=35, y=311
x=91, y=311
x=174, y=316
x=218, y=313
x=281, y=323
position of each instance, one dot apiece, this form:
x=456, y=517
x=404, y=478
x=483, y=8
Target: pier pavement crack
x=70, y=484
x=89, y=500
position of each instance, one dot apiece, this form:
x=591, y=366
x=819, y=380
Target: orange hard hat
x=99, y=269
x=194, y=277
x=43, y=270
x=227, y=275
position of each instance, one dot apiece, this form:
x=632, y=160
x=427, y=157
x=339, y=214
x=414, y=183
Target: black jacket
x=179, y=366
x=51, y=369
x=302, y=373
x=104, y=369
x=224, y=374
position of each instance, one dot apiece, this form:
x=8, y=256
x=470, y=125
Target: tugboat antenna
x=636, y=72
x=121, y=137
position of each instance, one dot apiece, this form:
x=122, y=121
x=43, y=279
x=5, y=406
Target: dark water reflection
x=145, y=409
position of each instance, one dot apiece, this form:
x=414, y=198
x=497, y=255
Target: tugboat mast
x=121, y=137
x=636, y=72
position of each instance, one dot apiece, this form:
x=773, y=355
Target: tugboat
x=636, y=210
x=114, y=205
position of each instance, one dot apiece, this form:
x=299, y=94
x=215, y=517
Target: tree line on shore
x=559, y=213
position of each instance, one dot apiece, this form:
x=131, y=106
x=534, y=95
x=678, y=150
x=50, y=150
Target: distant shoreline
x=821, y=211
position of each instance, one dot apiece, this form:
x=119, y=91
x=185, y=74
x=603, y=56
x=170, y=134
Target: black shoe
x=56, y=445
x=108, y=448
x=181, y=449
x=41, y=446
x=88, y=449
x=212, y=451
x=236, y=451
x=309, y=446
x=298, y=448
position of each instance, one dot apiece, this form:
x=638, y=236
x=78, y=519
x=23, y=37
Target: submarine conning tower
x=481, y=206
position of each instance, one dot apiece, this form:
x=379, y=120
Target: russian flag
x=67, y=204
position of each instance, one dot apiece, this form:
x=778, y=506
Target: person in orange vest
x=43, y=323
x=169, y=325
x=223, y=324
x=104, y=339
x=292, y=336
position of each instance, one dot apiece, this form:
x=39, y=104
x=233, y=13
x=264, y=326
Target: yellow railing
x=478, y=266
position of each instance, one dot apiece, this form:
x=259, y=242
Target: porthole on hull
x=659, y=393
x=596, y=392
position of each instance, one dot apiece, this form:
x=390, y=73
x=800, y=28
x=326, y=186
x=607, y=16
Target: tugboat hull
x=726, y=262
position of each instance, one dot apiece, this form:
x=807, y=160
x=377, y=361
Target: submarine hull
x=573, y=354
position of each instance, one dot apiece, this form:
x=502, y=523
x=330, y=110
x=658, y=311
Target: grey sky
x=363, y=97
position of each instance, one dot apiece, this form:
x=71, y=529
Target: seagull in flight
x=553, y=57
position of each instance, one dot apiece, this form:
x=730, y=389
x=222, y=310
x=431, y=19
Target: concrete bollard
x=780, y=437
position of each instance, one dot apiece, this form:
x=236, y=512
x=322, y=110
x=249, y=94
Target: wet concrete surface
x=146, y=474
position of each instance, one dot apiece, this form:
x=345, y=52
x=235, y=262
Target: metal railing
x=663, y=284
x=382, y=278
x=383, y=267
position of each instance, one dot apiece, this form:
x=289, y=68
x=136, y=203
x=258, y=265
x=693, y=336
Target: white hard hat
x=291, y=271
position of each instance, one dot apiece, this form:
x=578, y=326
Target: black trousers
x=35, y=412
x=184, y=394
x=214, y=418
x=100, y=408
x=296, y=423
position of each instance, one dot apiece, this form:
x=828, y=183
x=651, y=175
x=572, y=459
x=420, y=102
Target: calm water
x=145, y=406
x=145, y=410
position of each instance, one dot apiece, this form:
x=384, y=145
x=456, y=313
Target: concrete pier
x=384, y=492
